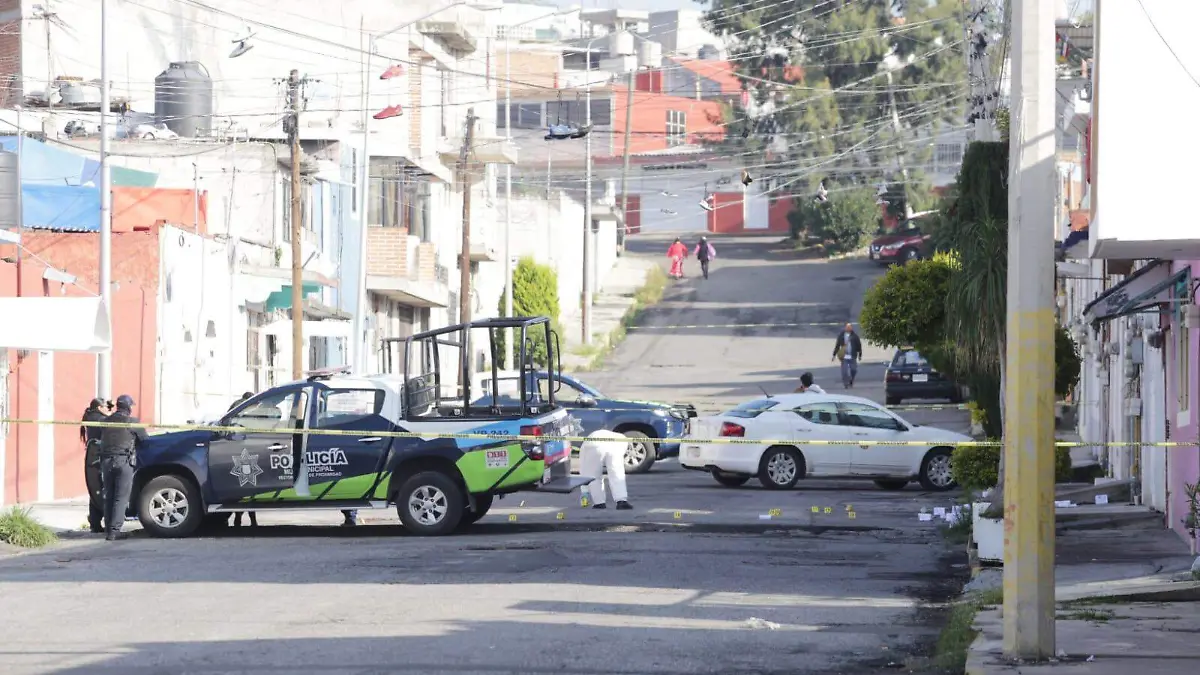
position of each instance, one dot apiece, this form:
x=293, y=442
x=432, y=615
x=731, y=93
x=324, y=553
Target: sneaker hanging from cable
x=562, y=132
x=709, y=202
x=822, y=193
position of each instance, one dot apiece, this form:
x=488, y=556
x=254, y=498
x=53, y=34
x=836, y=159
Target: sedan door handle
x=860, y=433
x=370, y=439
x=277, y=447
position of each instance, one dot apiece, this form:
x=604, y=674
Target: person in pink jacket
x=677, y=252
x=705, y=254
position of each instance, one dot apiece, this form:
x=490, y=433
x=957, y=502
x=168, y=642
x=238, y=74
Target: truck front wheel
x=430, y=504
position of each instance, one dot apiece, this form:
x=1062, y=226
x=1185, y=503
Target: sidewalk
x=1127, y=603
x=610, y=306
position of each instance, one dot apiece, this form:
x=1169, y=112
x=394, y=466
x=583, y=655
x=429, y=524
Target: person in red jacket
x=677, y=252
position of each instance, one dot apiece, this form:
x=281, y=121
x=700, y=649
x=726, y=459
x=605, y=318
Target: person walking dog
x=847, y=349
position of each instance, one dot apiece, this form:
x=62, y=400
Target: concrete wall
x=47, y=463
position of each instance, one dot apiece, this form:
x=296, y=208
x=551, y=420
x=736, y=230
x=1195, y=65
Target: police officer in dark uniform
x=97, y=411
x=118, y=447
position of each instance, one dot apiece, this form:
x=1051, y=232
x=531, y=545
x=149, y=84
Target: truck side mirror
x=585, y=401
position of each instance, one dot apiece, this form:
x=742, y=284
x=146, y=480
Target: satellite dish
x=240, y=49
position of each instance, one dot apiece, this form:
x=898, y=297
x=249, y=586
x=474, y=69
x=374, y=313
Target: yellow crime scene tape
x=724, y=440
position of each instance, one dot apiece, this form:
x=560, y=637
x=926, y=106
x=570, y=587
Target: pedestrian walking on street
x=605, y=451
x=118, y=451
x=677, y=252
x=97, y=411
x=704, y=253
x=848, y=350
x=806, y=385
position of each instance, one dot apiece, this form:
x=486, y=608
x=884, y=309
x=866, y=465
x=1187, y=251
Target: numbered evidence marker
x=512, y=517
x=562, y=516
x=584, y=502
x=816, y=509
x=828, y=510
x=678, y=515
x=775, y=513
x=852, y=515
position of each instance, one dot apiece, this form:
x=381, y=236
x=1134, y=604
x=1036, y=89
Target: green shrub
x=845, y=221
x=18, y=528
x=978, y=467
x=1067, y=363
x=535, y=293
x=907, y=306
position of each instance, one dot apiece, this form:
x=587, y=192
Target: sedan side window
x=870, y=417
x=273, y=412
x=819, y=413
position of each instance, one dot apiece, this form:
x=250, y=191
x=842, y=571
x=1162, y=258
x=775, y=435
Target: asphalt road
x=697, y=579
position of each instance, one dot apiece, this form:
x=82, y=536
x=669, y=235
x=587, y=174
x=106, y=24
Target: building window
x=676, y=127
x=948, y=156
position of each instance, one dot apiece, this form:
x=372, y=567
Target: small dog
x=237, y=519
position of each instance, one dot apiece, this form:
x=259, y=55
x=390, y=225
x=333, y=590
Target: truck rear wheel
x=430, y=504
x=483, y=504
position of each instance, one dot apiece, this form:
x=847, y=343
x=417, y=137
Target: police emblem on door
x=246, y=469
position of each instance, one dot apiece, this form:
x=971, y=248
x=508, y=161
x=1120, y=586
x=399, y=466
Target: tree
x=907, y=306
x=535, y=293
x=844, y=222
x=817, y=75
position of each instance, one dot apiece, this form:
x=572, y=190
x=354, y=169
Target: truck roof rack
x=326, y=373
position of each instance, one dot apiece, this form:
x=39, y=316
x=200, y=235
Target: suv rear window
x=908, y=357
x=752, y=409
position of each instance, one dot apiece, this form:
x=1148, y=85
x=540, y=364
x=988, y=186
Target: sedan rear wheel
x=730, y=479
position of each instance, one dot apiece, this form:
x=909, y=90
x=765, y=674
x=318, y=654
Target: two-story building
x=1139, y=307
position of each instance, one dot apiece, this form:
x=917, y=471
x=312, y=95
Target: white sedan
x=876, y=444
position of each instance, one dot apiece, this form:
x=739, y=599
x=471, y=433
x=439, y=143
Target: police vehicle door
x=258, y=462
x=346, y=465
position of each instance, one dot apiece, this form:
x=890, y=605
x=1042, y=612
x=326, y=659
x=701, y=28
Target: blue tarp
x=44, y=164
x=70, y=208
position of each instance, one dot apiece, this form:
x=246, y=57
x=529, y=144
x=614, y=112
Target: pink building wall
x=1183, y=464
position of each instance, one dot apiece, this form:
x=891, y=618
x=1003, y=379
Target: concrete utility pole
x=464, y=258
x=294, y=104
x=625, y=161
x=104, y=358
x=586, y=313
x=508, y=266
x=1029, y=609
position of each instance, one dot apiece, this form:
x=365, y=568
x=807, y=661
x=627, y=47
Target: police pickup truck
x=345, y=442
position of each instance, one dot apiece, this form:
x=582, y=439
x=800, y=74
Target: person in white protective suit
x=605, y=450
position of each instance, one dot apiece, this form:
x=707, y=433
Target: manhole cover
x=844, y=278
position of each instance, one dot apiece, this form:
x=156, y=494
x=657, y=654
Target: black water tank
x=183, y=99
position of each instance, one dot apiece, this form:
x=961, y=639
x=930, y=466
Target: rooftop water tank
x=650, y=54
x=183, y=99
x=9, y=184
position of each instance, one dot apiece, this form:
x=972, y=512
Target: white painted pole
x=359, y=354
x=508, y=266
x=104, y=358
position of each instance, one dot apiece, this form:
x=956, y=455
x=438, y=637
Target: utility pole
x=464, y=258
x=104, y=359
x=586, y=311
x=294, y=104
x=1029, y=609
x=625, y=161
x=508, y=264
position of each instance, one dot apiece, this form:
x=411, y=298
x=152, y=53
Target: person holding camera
x=97, y=411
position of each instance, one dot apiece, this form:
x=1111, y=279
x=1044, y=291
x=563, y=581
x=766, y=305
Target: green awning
x=282, y=299
x=122, y=177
